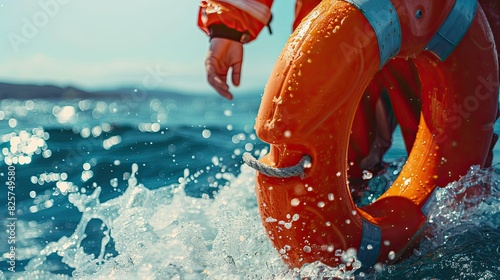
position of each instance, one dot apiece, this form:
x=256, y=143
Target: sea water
x=156, y=189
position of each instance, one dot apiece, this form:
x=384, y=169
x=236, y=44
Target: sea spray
x=462, y=236
x=165, y=234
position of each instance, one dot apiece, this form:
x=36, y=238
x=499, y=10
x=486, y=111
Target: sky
x=106, y=44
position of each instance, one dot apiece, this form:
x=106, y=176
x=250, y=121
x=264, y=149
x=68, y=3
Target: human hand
x=222, y=55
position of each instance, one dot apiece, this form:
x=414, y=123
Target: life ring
x=309, y=104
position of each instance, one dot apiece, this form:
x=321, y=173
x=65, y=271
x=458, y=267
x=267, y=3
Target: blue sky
x=106, y=44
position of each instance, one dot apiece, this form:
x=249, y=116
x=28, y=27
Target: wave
x=166, y=234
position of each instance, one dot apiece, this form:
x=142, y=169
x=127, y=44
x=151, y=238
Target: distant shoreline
x=53, y=92
x=32, y=91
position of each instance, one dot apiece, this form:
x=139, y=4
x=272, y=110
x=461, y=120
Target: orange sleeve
x=241, y=15
x=302, y=9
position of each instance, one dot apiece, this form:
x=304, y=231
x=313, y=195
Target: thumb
x=236, y=73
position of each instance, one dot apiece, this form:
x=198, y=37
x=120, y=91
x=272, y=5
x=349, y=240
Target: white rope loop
x=285, y=172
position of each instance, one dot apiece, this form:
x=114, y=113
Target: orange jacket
x=246, y=15
x=253, y=15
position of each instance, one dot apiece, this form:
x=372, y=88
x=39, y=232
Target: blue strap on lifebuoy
x=369, y=248
x=383, y=18
x=453, y=29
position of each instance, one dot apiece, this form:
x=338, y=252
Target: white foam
x=165, y=234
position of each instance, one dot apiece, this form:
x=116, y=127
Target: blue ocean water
x=155, y=189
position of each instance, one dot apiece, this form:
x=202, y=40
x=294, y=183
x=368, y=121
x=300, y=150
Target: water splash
x=462, y=236
x=166, y=234
x=469, y=201
x=163, y=233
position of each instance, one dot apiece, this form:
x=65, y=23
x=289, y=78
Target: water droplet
x=307, y=249
x=367, y=175
x=215, y=161
x=135, y=168
x=295, y=202
x=206, y=133
x=248, y=147
x=86, y=166
x=114, y=182
x=392, y=255
x=321, y=204
x=270, y=220
x=12, y=123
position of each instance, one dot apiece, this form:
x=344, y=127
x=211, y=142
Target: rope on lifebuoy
x=285, y=172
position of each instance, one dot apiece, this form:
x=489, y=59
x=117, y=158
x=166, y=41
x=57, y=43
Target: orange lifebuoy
x=308, y=109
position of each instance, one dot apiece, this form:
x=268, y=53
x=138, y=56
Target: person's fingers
x=216, y=76
x=222, y=55
x=220, y=85
x=236, y=73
